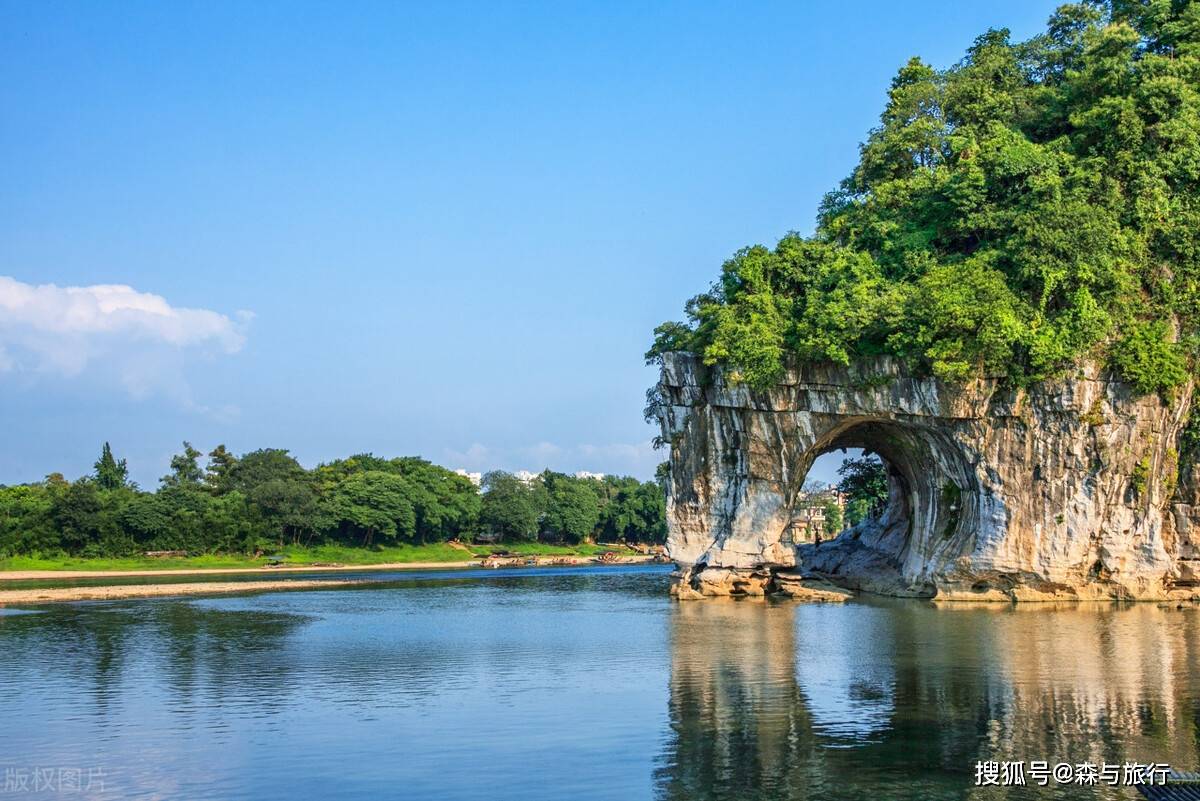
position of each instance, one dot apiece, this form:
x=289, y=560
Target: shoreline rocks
x=759, y=583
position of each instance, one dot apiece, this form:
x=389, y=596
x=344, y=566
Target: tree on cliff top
x=1037, y=203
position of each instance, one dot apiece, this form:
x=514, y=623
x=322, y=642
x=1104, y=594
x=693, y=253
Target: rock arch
x=1063, y=490
x=934, y=496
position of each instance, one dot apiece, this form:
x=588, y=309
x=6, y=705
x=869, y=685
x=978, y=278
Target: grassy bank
x=329, y=554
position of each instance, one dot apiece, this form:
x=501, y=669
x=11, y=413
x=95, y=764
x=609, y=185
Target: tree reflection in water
x=883, y=699
x=587, y=686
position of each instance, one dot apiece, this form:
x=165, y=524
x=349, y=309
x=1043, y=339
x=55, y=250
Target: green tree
x=229, y=527
x=76, y=513
x=287, y=507
x=1147, y=357
x=509, y=507
x=27, y=525
x=282, y=500
x=573, y=507
x=221, y=464
x=632, y=511
x=110, y=474
x=375, y=504
x=263, y=465
x=185, y=509
x=833, y=518
x=865, y=485
x=857, y=510
x=147, y=519
x=445, y=503
x=185, y=469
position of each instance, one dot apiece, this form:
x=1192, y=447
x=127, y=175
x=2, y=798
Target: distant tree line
x=265, y=499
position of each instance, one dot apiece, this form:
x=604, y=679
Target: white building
x=526, y=477
x=475, y=478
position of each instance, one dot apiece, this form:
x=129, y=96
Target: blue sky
x=441, y=229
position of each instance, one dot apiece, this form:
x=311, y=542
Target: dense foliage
x=1033, y=205
x=834, y=519
x=266, y=499
x=864, y=483
x=564, y=508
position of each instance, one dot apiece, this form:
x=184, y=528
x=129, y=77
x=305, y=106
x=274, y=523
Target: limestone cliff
x=1067, y=489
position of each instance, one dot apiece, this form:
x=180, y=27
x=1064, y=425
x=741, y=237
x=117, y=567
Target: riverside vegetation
x=361, y=509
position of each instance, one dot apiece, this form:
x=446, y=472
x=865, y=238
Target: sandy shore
x=58, y=594
x=116, y=591
x=29, y=575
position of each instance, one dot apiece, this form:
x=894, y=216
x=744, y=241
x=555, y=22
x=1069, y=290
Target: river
x=580, y=684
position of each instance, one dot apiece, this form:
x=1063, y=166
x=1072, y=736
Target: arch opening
x=925, y=505
x=843, y=486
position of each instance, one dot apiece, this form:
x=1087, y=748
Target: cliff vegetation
x=1034, y=204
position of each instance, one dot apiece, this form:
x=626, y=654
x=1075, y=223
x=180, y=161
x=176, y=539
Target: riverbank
x=258, y=578
x=322, y=558
x=119, y=591
x=35, y=575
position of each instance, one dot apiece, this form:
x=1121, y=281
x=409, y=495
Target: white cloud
x=138, y=337
x=632, y=453
x=544, y=453
x=476, y=457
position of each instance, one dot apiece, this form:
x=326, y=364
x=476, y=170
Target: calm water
x=582, y=684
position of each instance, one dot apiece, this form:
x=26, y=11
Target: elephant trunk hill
x=1069, y=489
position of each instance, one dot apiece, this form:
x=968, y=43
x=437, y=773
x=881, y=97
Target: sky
x=439, y=229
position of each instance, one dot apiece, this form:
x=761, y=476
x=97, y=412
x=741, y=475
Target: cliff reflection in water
x=898, y=700
x=590, y=686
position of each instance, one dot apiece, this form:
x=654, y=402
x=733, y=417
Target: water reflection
x=508, y=686
x=176, y=644
x=587, y=685
x=898, y=700
x=741, y=726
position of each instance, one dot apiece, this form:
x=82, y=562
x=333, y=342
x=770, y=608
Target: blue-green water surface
x=580, y=684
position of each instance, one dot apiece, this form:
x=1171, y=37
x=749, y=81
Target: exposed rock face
x=1064, y=490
